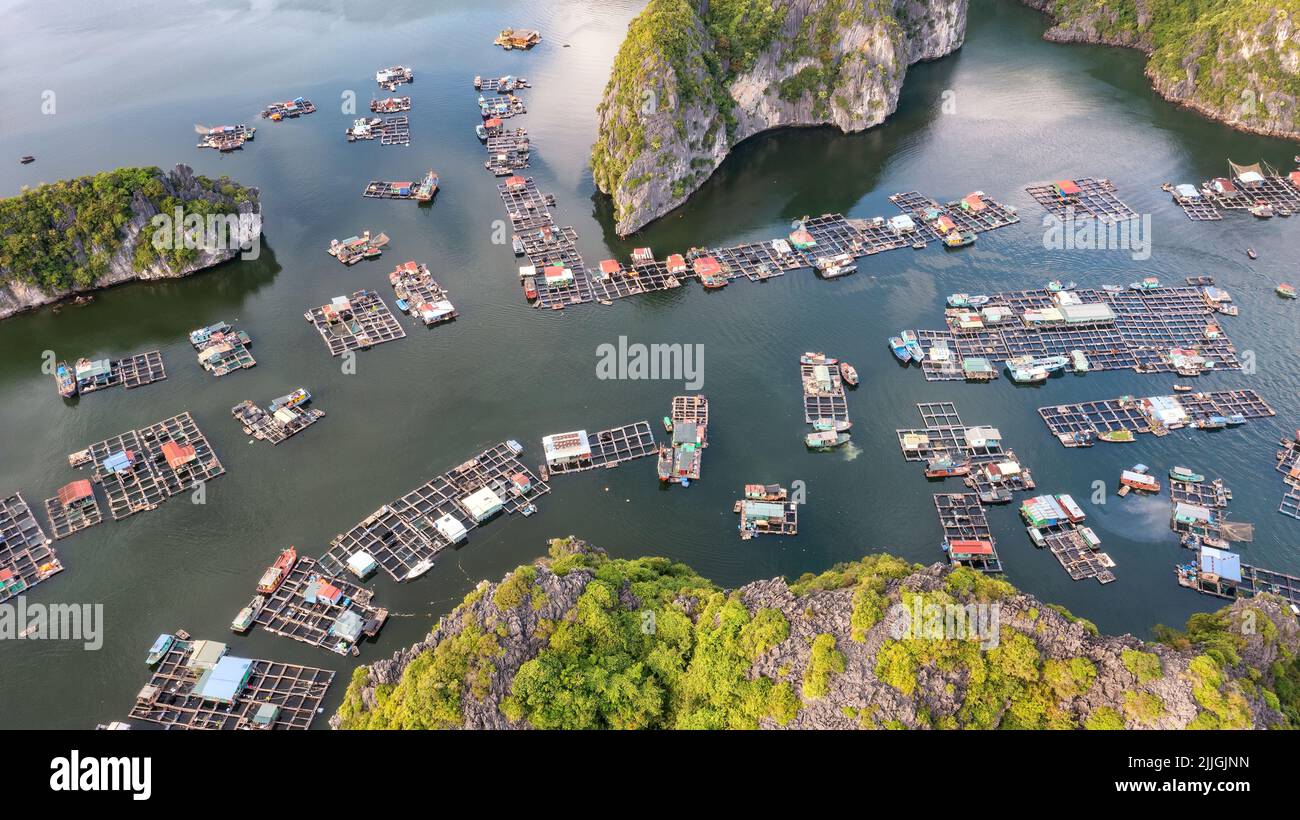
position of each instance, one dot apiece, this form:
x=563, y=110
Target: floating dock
x=1085, y=423
x=1288, y=464
x=967, y=538
x=1246, y=187
x=358, y=322
x=577, y=451
x=312, y=607
x=226, y=138
x=222, y=349
x=1147, y=329
x=393, y=76
x=688, y=425
x=276, y=424
x=132, y=371
x=390, y=105
x=73, y=509
x=1086, y=196
x=288, y=110
x=139, y=469
x=975, y=213
x=425, y=299
x=395, y=130
x=404, y=535
x=823, y=392
x=26, y=557
x=1055, y=522
x=355, y=248
x=766, y=509
x=196, y=685
x=1221, y=573
x=423, y=191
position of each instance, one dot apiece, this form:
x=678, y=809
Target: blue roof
x=225, y=680
x=1227, y=565
x=117, y=462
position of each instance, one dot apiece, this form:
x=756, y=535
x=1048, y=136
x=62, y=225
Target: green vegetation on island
x=580, y=640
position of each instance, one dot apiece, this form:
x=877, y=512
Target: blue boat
x=403, y=305
x=899, y=348
x=913, y=346
x=1236, y=419
x=159, y=648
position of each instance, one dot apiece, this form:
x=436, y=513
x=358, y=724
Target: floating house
x=567, y=449
x=204, y=655
x=76, y=493
x=449, y=527
x=224, y=680
x=361, y=564
x=482, y=504
x=902, y=224
x=178, y=455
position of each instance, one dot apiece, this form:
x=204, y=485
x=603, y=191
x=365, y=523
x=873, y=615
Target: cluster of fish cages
x=823, y=398
x=73, y=509
x=420, y=294
x=275, y=426
x=612, y=447
x=1077, y=557
x=766, y=509
x=506, y=84
x=1210, y=494
x=1082, y=424
x=404, y=535
x=273, y=696
x=508, y=153
x=225, y=138
x=943, y=431
x=976, y=213
x=358, y=322
x=1288, y=464
x=641, y=277
x=289, y=109
x=1087, y=196
x=967, y=538
x=390, y=105
x=1143, y=328
x=131, y=372
x=288, y=612
x=26, y=557
x=139, y=469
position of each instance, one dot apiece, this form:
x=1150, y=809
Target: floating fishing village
x=325, y=597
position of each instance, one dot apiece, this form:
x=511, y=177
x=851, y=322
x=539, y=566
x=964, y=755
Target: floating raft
x=1087, y=196
x=131, y=372
x=273, y=695
x=823, y=393
x=227, y=137
x=356, y=323
x=1288, y=464
x=967, y=538
x=944, y=431
x=603, y=449
x=1080, y=425
x=289, y=109
x=1221, y=573
x=414, y=285
x=393, y=76
x=404, y=535
x=976, y=213
x=287, y=612
x=766, y=510
x=26, y=557
x=73, y=509
x=139, y=469
x=1079, y=559
x=1138, y=330
x=390, y=105
x=277, y=425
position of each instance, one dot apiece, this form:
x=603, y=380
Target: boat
x=1056, y=286
x=244, y=620
x=664, y=464
x=481, y=130
x=1286, y=291
x=945, y=465
x=958, y=239
x=1021, y=374
x=277, y=572
x=1139, y=481
x=419, y=569
x=1261, y=210
x=1183, y=388
x=913, y=346
x=899, y=349
x=530, y=288
x=979, y=300
x=1281, y=211
x=816, y=358
x=825, y=440
x=1213, y=422
x=958, y=300
x=427, y=189
x=159, y=649
x=833, y=425
x=528, y=509
x=668, y=423
x=403, y=305
x=67, y=384
x=1236, y=419
x=838, y=265
x=1117, y=436
x=1184, y=474
x=1112, y=288
x=995, y=495
x=1080, y=361
x=27, y=159
x=849, y=374
x=297, y=397
x=1148, y=283
x=517, y=245
x=1251, y=253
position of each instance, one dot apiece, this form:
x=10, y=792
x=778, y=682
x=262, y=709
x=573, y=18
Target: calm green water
x=129, y=87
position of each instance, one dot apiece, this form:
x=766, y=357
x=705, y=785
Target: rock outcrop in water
x=73, y=236
x=583, y=641
x=1236, y=61
x=695, y=77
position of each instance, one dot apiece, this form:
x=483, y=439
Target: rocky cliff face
x=177, y=187
x=694, y=77
x=853, y=643
x=1236, y=61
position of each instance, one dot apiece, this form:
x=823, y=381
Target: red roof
x=520, y=479
x=974, y=202
x=495, y=122
x=178, y=455
x=609, y=266
x=971, y=547
x=75, y=491
x=707, y=266
x=1067, y=186
x=325, y=591
x=675, y=260
x=516, y=182
x=1295, y=178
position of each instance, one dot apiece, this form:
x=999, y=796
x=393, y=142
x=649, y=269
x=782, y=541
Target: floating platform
x=404, y=535
x=414, y=285
x=1083, y=424
x=766, y=510
x=26, y=557
x=823, y=396
x=358, y=322
x=608, y=448
x=1090, y=196
x=288, y=612
x=1077, y=557
x=975, y=213
x=139, y=469
x=289, y=109
x=277, y=425
x=354, y=249
x=390, y=105
x=73, y=509
x=273, y=695
x=131, y=372
x=967, y=538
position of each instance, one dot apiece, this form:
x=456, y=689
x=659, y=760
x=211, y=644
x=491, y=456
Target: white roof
x=1187, y=191
x=450, y=527
x=902, y=222
x=482, y=503
x=361, y=562
x=527, y=270
x=563, y=446
x=1251, y=176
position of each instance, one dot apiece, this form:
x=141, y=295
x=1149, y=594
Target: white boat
x=419, y=569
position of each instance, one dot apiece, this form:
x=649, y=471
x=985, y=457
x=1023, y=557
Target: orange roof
x=178, y=455
x=675, y=260
x=75, y=491
x=707, y=266
x=495, y=122
x=609, y=266
x=974, y=202
x=1067, y=186
x=971, y=547
x=515, y=181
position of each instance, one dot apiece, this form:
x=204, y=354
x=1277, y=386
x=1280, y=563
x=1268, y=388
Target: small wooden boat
x=913, y=345
x=277, y=572
x=1251, y=253
x=27, y=160
x=1286, y=291
x=668, y=423
x=825, y=440
x=899, y=348
x=849, y=374
x=67, y=384
x=1183, y=388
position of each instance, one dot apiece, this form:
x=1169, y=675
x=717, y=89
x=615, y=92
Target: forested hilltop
x=580, y=640
x=1233, y=60
x=79, y=234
